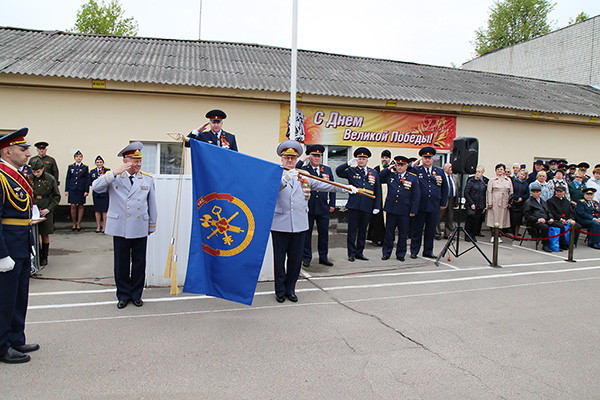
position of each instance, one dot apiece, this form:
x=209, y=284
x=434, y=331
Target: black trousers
x=425, y=223
x=322, y=221
x=402, y=223
x=357, y=231
x=542, y=230
x=130, y=267
x=14, y=294
x=287, y=245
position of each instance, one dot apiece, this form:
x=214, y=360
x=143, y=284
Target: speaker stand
x=454, y=248
x=450, y=245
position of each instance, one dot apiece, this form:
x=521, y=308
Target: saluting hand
x=201, y=129
x=122, y=168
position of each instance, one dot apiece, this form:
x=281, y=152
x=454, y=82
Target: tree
x=512, y=22
x=580, y=18
x=104, y=19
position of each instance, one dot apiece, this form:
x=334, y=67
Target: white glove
x=376, y=211
x=352, y=162
x=6, y=264
x=353, y=189
x=288, y=175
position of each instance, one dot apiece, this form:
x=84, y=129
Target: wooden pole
x=340, y=185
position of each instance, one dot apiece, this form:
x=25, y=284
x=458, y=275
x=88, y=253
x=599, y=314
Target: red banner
x=350, y=127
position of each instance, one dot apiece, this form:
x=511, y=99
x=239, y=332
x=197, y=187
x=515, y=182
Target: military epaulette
x=145, y=173
x=582, y=200
x=412, y=173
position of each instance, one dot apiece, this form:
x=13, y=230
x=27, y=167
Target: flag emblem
x=227, y=224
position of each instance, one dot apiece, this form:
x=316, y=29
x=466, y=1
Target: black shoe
x=351, y=259
x=445, y=236
x=413, y=256
x=305, y=264
x=361, y=257
x=27, y=348
x=385, y=257
x=280, y=298
x=438, y=237
x=326, y=262
x=595, y=246
x=429, y=256
x=546, y=249
x=378, y=243
x=122, y=304
x=399, y=258
x=13, y=356
x=292, y=297
x=138, y=302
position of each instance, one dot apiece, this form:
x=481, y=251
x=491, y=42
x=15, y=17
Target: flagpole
x=200, y=22
x=292, y=118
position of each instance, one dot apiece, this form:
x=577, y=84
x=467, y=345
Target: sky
x=435, y=32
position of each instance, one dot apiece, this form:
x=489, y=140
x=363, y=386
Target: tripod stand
x=451, y=246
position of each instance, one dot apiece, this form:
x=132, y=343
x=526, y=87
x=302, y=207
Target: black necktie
x=131, y=179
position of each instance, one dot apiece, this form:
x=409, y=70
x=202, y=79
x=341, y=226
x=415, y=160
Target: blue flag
x=234, y=202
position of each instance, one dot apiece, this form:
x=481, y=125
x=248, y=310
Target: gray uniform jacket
x=291, y=211
x=132, y=208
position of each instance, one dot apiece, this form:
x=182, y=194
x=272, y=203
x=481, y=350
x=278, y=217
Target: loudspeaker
x=465, y=152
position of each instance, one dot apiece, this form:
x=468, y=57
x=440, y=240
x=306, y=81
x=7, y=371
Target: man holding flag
x=290, y=221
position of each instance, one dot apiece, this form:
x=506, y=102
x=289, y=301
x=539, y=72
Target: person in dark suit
x=77, y=187
x=376, y=230
x=100, y=199
x=360, y=207
x=401, y=203
x=16, y=241
x=434, y=198
x=561, y=211
x=475, y=198
x=587, y=212
x=520, y=194
x=537, y=167
x=129, y=226
x=320, y=205
x=447, y=214
x=537, y=215
x=216, y=135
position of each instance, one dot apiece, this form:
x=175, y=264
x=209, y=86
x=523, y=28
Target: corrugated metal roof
x=257, y=67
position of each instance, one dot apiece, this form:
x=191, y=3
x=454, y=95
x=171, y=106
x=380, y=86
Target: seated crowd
x=552, y=196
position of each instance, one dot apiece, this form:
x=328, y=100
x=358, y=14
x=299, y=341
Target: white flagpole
x=200, y=22
x=292, y=120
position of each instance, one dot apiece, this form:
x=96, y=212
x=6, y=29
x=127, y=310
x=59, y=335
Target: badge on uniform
x=144, y=187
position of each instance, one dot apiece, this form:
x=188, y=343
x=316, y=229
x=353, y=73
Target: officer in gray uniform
x=290, y=221
x=131, y=218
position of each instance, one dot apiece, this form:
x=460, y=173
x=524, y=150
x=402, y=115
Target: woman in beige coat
x=499, y=191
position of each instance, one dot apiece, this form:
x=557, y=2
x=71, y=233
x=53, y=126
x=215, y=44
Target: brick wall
x=570, y=54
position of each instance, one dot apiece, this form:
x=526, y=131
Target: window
x=335, y=156
x=161, y=158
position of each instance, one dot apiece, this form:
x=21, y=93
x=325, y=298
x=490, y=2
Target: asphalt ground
x=363, y=330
